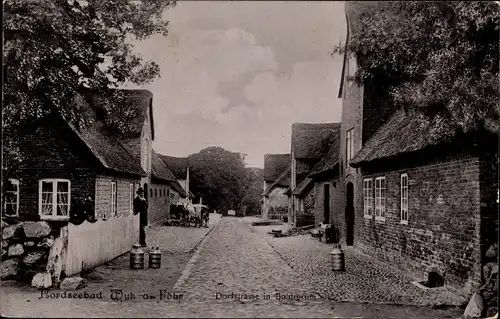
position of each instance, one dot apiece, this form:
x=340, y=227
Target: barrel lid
x=136, y=246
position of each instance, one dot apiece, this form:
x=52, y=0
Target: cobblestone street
x=235, y=258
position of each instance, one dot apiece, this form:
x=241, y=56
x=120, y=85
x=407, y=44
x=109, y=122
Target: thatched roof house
x=275, y=165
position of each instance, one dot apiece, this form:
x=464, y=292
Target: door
x=326, y=204
x=349, y=214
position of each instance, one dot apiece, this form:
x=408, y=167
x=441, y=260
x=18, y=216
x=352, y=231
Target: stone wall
x=34, y=252
x=443, y=229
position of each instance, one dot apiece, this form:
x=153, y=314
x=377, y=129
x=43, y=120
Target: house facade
x=276, y=181
x=310, y=143
x=77, y=183
x=160, y=191
x=415, y=201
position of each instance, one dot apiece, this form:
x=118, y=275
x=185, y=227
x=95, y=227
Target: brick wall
x=124, y=199
x=320, y=200
x=159, y=203
x=443, y=229
x=52, y=151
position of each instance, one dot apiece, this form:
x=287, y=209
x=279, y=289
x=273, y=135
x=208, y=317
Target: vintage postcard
x=206, y=159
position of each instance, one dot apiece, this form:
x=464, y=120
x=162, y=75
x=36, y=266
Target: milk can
x=155, y=258
x=337, y=256
x=136, y=257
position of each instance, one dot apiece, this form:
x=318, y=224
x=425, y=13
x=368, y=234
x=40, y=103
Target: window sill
x=380, y=219
x=404, y=222
x=54, y=218
x=368, y=216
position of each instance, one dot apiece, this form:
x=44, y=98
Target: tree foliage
x=253, y=190
x=219, y=176
x=440, y=58
x=53, y=48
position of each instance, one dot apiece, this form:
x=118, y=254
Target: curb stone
x=187, y=270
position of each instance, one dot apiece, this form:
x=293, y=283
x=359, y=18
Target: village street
x=234, y=259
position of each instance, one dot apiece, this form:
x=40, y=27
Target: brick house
x=310, y=143
x=325, y=176
x=179, y=166
x=71, y=165
x=276, y=181
x=417, y=202
x=160, y=190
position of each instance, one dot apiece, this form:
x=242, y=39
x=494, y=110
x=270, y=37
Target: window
x=131, y=197
x=54, y=198
x=380, y=198
x=368, y=197
x=156, y=195
x=113, y=200
x=349, y=143
x=404, y=198
x=168, y=193
x=150, y=192
x=11, y=203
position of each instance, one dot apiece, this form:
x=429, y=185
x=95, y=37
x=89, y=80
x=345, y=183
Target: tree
x=219, y=176
x=253, y=190
x=54, y=48
x=439, y=58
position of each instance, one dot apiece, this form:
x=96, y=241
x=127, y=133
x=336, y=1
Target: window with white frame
x=404, y=198
x=380, y=198
x=368, y=197
x=349, y=145
x=11, y=201
x=131, y=197
x=114, y=211
x=54, y=198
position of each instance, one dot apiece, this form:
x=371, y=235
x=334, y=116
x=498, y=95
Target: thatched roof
x=303, y=187
x=177, y=165
x=329, y=162
x=178, y=188
x=282, y=181
x=313, y=141
x=107, y=148
x=402, y=133
x=159, y=170
x=141, y=101
x=274, y=165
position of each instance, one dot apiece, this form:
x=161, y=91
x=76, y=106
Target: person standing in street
x=141, y=208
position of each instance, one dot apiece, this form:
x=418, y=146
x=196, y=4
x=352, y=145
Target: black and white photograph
x=250, y=159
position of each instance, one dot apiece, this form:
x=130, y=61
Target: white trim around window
x=131, y=197
x=380, y=198
x=11, y=202
x=114, y=211
x=54, y=198
x=368, y=197
x=404, y=199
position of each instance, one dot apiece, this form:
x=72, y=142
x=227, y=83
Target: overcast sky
x=238, y=74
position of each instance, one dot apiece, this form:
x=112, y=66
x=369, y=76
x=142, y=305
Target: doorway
x=326, y=204
x=349, y=214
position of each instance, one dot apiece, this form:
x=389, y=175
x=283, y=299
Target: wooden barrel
x=155, y=258
x=136, y=257
x=337, y=259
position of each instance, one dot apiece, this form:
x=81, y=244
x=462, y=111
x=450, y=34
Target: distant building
x=310, y=143
x=276, y=181
x=179, y=166
x=160, y=190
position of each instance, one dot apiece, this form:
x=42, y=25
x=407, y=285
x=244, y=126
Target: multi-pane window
x=404, y=198
x=114, y=211
x=368, y=197
x=131, y=197
x=349, y=145
x=380, y=198
x=54, y=198
x=11, y=201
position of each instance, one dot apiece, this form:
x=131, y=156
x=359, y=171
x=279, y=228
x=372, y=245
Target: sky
x=237, y=74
